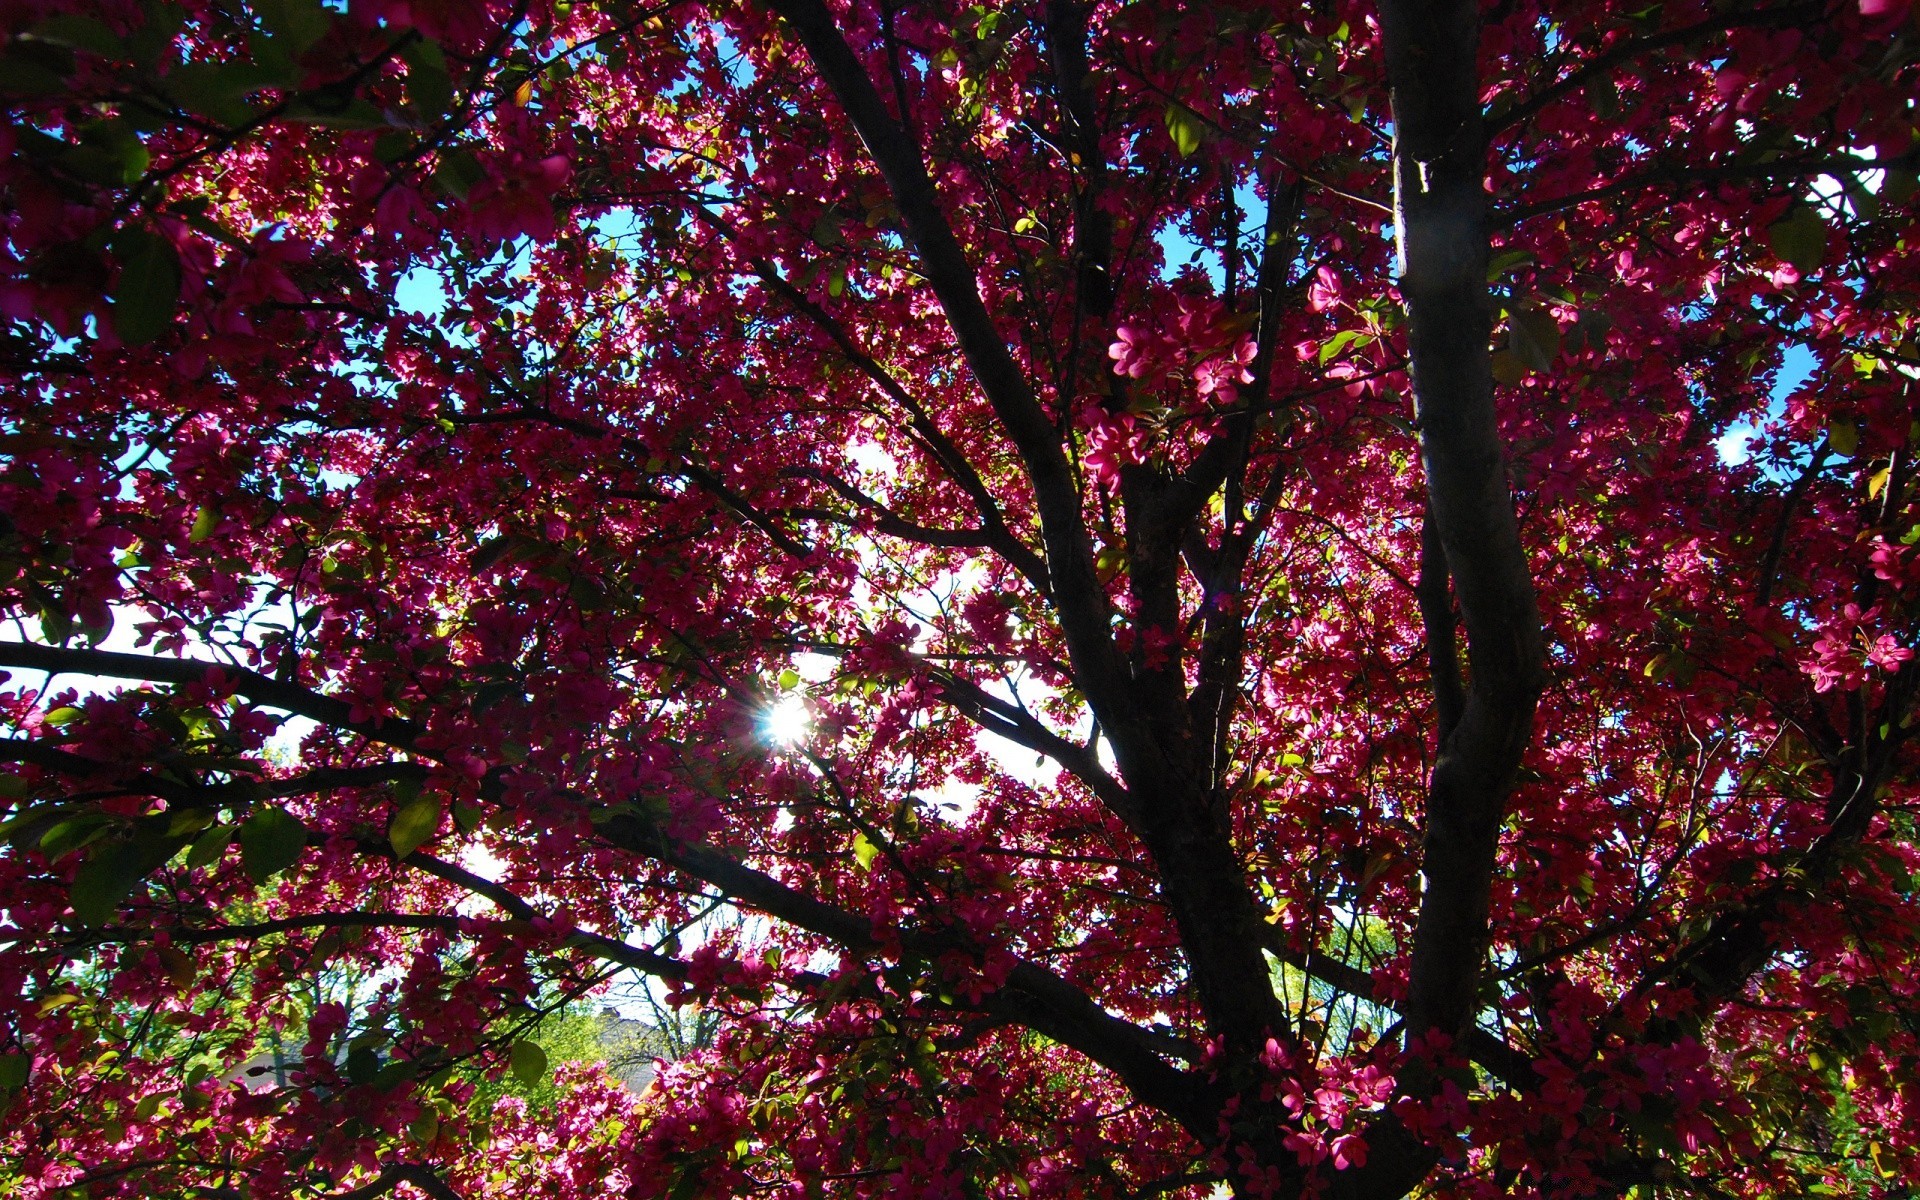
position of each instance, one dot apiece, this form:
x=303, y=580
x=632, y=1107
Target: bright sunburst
x=788, y=721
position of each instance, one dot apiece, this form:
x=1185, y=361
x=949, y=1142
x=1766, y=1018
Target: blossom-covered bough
x=1130, y=599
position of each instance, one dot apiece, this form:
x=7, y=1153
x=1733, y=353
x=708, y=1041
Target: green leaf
x=209, y=846
x=14, y=1069
x=220, y=91
x=458, y=173
x=391, y=147
x=1507, y=367
x=204, y=523
x=64, y=837
x=99, y=633
x=80, y=33
x=529, y=1062
x=1333, y=346
x=66, y=714
x=414, y=823
x=490, y=552
x=363, y=1062
x=29, y=67
x=466, y=817
x=826, y=230
x=1843, y=436
x=863, y=851
x=1534, y=338
x=1186, y=129
x=1900, y=186
x=425, y=52
x=789, y=679
x=355, y=113
x=12, y=787
x=186, y=823
x=153, y=37
x=1800, y=239
x=25, y=828
x=270, y=842
x=113, y=871
x=1506, y=261
x=149, y=287
x=689, y=1183
x=300, y=23
x=108, y=153
x=55, y=625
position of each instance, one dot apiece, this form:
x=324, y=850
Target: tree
x=1315, y=599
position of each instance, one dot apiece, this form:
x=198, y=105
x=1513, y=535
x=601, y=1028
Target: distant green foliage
x=578, y=1033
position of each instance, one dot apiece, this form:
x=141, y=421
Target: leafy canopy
x=1111, y=599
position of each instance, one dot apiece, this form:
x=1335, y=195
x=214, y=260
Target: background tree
x=1428, y=488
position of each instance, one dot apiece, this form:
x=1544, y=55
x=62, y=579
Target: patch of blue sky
x=422, y=291
x=1797, y=365
x=739, y=67
x=1735, y=445
x=617, y=223
x=1834, y=199
x=1179, y=250
x=427, y=291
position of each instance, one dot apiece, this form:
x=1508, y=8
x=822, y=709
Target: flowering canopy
x=1316, y=597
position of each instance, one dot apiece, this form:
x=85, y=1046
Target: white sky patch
x=1734, y=445
x=483, y=862
x=823, y=962
x=1017, y=762
x=1830, y=193
x=872, y=459
x=124, y=638
x=814, y=668
x=954, y=801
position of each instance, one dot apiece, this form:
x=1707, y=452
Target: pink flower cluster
x=1199, y=338
x=1848, y=649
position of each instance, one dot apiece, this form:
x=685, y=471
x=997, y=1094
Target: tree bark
x=1440, y=209
x=1440, y=201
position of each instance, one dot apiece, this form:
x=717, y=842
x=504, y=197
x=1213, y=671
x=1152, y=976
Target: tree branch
x=1629, y=48
x=1032, y=995
x=1510, y=1065
x=1439, y=168
x=998, y=536
x=1018, y=726
x=1439, y=160
x=1770, y=563
x=888, y=522
x=1681, y=175
x=598, y=945
x=1066, y=28
x=1436, y=615
x=1076, y=591
x=272, y=693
